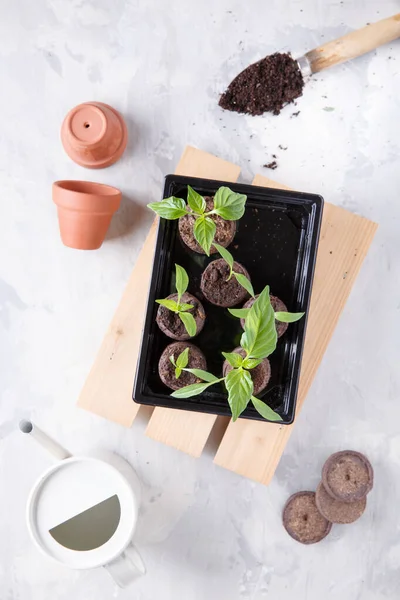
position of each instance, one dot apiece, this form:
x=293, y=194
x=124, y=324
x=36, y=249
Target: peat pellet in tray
x=224, y=233
x=348, y=476
x=335, y=510
x=221, y=289
x=166, y=369
x=170, y=322
x=302, y=519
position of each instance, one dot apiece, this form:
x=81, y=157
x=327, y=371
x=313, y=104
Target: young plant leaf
x=251, y=363
x=191, y=390
x=240, y=313
x=233, y=358
x=259, y=337
x=181, y=281
x=183, y=307
x=244, y=282
x=189, y=322
x=169, y=208
x=204, y=375
x=204, y=230
x=170, y=304
x=229, y=205
x=240, y=388
x=172, y=360
x=264, y=410
x=183, y=359
x=227, y=256
x=288, y=317
x=195, y=201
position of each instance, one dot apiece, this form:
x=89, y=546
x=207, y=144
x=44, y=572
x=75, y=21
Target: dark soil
x=302, y=519
x=260, y=374
x=166, y=369
x=265, y=86
x=217, y=289
x=170, y=322
x=224, y=233
x=271, y=165
x=278, y=306
x=335, y=510
x=347, y=476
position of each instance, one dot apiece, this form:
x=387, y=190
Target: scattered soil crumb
x=295, y=114
x=282, y=147
x=274, y=156
x=271, y=165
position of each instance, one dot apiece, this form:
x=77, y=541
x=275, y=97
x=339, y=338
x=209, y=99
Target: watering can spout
x=44, y=440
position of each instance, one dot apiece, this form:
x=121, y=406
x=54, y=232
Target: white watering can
x=82, y=511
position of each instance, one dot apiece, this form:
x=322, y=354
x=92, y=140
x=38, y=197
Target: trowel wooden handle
x=354, y=44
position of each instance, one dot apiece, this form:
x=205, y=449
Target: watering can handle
x=127, y=567
x=44, y=440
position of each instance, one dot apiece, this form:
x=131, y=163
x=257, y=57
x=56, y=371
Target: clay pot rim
x=86, y=188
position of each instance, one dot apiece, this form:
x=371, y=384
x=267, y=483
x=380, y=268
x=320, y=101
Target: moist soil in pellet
x=224, y=233
x=216, y=287
x=265, y=86
x=260, y=374
x=278, y=306
x=302, y=519
x=170, y=322
x=166, y=369
x=347, y=476
x=335, y=510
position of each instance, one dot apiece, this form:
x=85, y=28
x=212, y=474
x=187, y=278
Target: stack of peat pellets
x=341, y=497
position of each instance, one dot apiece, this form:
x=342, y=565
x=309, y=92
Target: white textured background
x=205, y=533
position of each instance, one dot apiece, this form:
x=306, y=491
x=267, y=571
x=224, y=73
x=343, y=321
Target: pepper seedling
x=282, y=316
x=227, y=204
x=258, y=340
x=178, y=307
x=241, y=279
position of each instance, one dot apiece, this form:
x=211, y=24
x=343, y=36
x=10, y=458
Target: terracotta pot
x=84, y=211
x=94, y=135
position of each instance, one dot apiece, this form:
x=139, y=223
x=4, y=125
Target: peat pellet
x=302, y=519
x=171, y=324
x=224, y=233
x=335, y=510
x=216, y=287
x=278, y=306
x=166, y=369
x=347, y=476
x=260, y=374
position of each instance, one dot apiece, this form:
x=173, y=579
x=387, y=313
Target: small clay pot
x=216, y=287
x=278, y=306
x=260, y=374
x=94, y=135
x=171, y=324
x=224, y=233
x=166, y=369
x=85, y=210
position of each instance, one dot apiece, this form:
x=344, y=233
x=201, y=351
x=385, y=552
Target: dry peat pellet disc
x=302, y=519
x=335, y=510
x=347, y=476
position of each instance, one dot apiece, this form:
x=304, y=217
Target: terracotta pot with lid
x=85, y=210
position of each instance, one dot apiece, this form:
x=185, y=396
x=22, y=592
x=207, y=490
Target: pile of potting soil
x=265, y=86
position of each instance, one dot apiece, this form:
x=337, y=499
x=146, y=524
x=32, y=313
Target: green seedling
x=227, y=204
x=241, y=279
x=283, y=316
x=178, y=307
x=258, y=341
x=181, y=362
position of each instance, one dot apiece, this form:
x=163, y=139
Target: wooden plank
x=254, y=448
x=184, y=430
x=108, y=389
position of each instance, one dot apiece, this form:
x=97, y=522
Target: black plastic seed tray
x=276, y=240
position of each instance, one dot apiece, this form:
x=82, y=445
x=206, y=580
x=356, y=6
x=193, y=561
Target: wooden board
x=108, y=389
x=250, y=448
x=253, y=448
x=184, y=430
